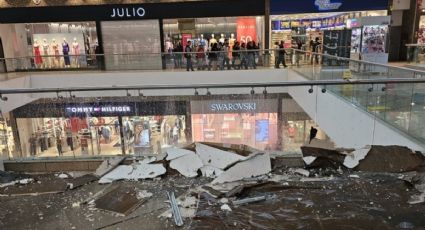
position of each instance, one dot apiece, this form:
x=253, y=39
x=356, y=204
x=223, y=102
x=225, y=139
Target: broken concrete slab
x=187, y=165
x=308, y=160
x=243, y=150
x=300, y=171
x=7, y=177
x=77, y=182
x=45, y=184
x=108, y=165
x=174, y=153
x=325, y=158
x=210, y=171
x=122, y=200
x=280, y=162
x=322, y=144
x=353, y=159
x=1, y=165
x=216, y=157
x=135, y=171
x=394, y=159
x=255, y=165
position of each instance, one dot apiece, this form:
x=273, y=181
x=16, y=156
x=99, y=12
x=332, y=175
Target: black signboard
x=336, y=43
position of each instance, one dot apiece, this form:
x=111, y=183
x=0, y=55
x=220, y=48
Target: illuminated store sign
x=128, y=12
x=98, y=109
x=233, y=107
x=324, y=5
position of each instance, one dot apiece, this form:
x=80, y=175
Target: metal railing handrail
x=215, y=86
x=362, y=61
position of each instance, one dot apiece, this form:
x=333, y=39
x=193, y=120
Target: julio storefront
x=132, y=36
x=253, y=122
x=343, y=27
x=103, y=128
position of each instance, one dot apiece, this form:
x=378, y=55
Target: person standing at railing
x=299, y=46
x=244, y=56
x=212, y=56
x=225, y=53
x=178, y=50
x=315, y=49
x=200, y=57
x=188, y=56
x=276, y=54
x=251, y=55
x=281, y=58
x=236, y=59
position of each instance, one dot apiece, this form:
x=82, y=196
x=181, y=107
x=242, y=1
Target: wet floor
x=375, y=201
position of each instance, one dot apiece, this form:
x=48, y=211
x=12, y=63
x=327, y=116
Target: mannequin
x=37, y=54
x=232, y=40
x=222, y=38
x=212, y=41
x=203, y=42
x=76, y=53
x=65, y=51
x=46, y=53
x=55, y=48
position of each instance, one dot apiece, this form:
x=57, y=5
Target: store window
x=306, y=28
x=54, y=46
x=7, y=145
x=205, y=32
x=153, y=134
x=249, y=122
x=69, y=137
x=132, y=45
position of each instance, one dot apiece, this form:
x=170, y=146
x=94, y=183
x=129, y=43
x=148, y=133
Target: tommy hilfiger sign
x=98, y=109
x=128, y=12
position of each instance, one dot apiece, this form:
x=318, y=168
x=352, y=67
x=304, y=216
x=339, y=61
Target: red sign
x=246, y=29
x=185, y=38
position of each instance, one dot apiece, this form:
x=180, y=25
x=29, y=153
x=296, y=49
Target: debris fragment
x=76, y=204
x=325, y=158
x=308, y=160
x=225, y=207
x=256, y=165
x=210, y=171
x=300, y=171
x=174, y=153
x=354, y=176
x=135, y=171
x=108, y=165
x=143, y=194
x=187, y=165
x=216, y=157
x=406, y=225
x=393, y=159
x=353, y=159
x=63, y=176
x=253, y=199
x=175, y=209
x=417, y=199
x=122, y=200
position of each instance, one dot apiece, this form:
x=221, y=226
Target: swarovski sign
x=237, y=107
x=128, y=12
x=324, y=5
x=98, y=109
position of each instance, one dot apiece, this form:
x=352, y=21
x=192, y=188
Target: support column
x=267, y=24
x=101, y=59
x=161, y=37
x=122, y=135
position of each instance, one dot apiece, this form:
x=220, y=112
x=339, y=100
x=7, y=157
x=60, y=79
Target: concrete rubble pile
x=219, y=178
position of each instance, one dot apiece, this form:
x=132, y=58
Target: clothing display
x=65, y=51
x=37, y=55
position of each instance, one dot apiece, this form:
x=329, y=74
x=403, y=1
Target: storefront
x=92, y=129
x=132, y=36
x=341, y=28
x=251, y=122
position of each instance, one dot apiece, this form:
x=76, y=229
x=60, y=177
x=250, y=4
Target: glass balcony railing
x=402, y=105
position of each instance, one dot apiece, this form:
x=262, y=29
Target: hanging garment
x=55, y=48
x=65, y=51
x=37, y=54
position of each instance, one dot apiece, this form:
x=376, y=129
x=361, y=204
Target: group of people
x=220, y=55
x=280, y=52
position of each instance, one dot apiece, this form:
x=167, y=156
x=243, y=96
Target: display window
x=68, y=45
x=69, y=137
x=152, y=134
x=205, y=32
x=250, y=122
x=7, y=145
